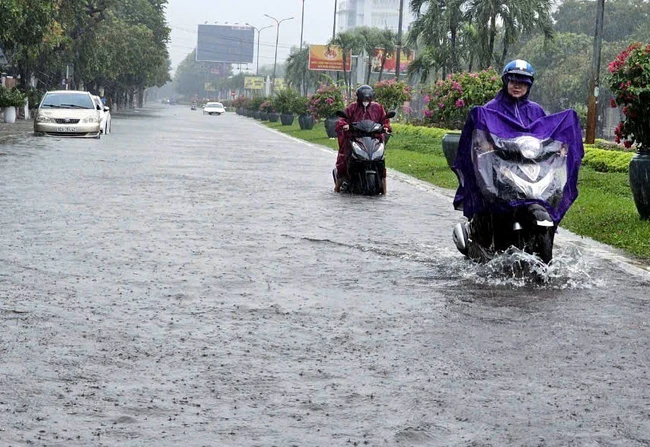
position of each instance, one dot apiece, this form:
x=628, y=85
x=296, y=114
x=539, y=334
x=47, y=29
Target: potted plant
x=324, y=104
x=265, y=108
x=10, y=98
x=254, y=107
x=284, y=102
x=305, y=118
x=629, y=82
x=450, y=100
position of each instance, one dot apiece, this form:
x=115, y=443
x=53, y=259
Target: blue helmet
x=518, y=69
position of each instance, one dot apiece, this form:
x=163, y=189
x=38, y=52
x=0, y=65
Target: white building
x=373, y=13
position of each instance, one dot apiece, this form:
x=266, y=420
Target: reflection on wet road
x=193, y=280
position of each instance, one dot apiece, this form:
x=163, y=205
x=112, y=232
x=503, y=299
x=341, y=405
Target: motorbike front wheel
x=541, y=244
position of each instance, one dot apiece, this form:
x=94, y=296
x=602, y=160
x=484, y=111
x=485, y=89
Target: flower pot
x=274, y=117
x=306, y=121
x=10, y=114
x=264, y=116
x=286, y=119
x=257, y=115
x=640, y=182
x=330, y=126
x=450, y=147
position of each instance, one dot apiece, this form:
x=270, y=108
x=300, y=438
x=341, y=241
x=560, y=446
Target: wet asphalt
x=192, y=280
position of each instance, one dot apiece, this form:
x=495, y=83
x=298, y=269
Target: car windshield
x=68, y=101
x=214, y=104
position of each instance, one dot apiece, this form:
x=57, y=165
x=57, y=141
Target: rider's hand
x=386, y=129
x=345, y=127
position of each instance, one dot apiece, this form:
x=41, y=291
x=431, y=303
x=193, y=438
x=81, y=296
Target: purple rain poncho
x=501, y=122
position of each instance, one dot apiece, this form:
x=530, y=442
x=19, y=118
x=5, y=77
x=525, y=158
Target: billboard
x=327, y=58
x=225, y=43
x=391, y=60
x=254, y=82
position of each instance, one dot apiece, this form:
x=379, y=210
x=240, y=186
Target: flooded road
x=192, y=280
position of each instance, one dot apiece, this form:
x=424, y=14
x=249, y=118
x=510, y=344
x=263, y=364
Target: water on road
x=193, y=280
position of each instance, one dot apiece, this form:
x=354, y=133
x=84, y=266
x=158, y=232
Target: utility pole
x=277, y=37
x=399, y=39
x=334, y=27
x=592, y=109
x=302, y=23
x=259, y=31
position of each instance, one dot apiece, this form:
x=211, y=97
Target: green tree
x=349, y=42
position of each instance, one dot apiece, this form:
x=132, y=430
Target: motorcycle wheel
x=541, y=244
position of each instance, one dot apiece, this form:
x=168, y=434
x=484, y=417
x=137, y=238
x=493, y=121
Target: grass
x=604, y=210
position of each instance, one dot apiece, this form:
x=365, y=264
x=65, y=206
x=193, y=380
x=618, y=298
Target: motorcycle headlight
x=379, y=153
x=530, y=147
x=359, y=152
x=90, y=119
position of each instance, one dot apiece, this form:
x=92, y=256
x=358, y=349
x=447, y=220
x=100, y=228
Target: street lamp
x=302, y=23
x=259, y=30
x=277, y=37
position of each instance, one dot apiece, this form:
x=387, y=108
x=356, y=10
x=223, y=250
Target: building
x=373, y=13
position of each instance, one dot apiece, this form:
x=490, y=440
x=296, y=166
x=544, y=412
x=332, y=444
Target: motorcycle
x=193, y=106
x=366, y=162
x=517, y=186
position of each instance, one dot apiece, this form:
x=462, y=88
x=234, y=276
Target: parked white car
x=104, y=115
x=213, y=108
x=71, y=113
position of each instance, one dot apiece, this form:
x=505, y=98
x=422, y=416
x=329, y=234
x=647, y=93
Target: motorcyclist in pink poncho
x=363, y=109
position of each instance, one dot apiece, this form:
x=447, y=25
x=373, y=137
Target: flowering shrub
x=392, y=94
x=326, y=101
x=267, y=106
x=449, y=101
x=240, y=101
x=630, y=84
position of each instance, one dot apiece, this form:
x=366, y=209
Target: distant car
x=69, y=113
x=104, y=115
x=213, y=108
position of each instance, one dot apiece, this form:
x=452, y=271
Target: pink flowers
x=460, y=103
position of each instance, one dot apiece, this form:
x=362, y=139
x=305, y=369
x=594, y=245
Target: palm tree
x=387, y=42
x=297, y=70
x=349, y=42
x=371, y=39
x=508, y=18
x=437, y=25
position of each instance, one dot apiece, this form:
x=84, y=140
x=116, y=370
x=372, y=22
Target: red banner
x=328, y=58
x=391, y=61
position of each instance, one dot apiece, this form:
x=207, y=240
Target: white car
x=71, y=113
x=213, y=108
x=104, y=115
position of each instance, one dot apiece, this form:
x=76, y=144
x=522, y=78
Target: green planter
x=330, y=126
x=306, y=121
x=274, y=117
x=640, y=182
x=286, y=119
x=450, y=147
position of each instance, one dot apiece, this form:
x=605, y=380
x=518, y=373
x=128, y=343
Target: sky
x=183, y=17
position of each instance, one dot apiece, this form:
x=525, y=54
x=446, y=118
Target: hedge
x=601, y=160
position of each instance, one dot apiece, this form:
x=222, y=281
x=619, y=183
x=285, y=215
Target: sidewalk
x=20, y=129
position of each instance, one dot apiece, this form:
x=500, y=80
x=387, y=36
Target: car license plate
x=66, y=129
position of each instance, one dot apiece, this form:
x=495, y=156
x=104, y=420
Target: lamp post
x=277, y=39
x=302, y=22
x=399, y=40
x=259, y=30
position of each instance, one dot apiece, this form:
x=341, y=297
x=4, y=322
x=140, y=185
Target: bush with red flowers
x=629, y=81
x=450, y=100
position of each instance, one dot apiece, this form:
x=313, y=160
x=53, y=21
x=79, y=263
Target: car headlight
x=43, y=119
x=90, y=119
x=359, y=152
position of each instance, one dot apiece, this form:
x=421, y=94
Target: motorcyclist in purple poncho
x=513, y=194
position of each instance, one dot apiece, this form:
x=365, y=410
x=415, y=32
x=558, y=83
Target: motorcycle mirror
x=341, y=114
x=391, y=114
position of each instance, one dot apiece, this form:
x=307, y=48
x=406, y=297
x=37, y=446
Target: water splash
x=516, y=268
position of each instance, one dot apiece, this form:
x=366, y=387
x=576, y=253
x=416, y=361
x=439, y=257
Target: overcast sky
x=183, y=16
